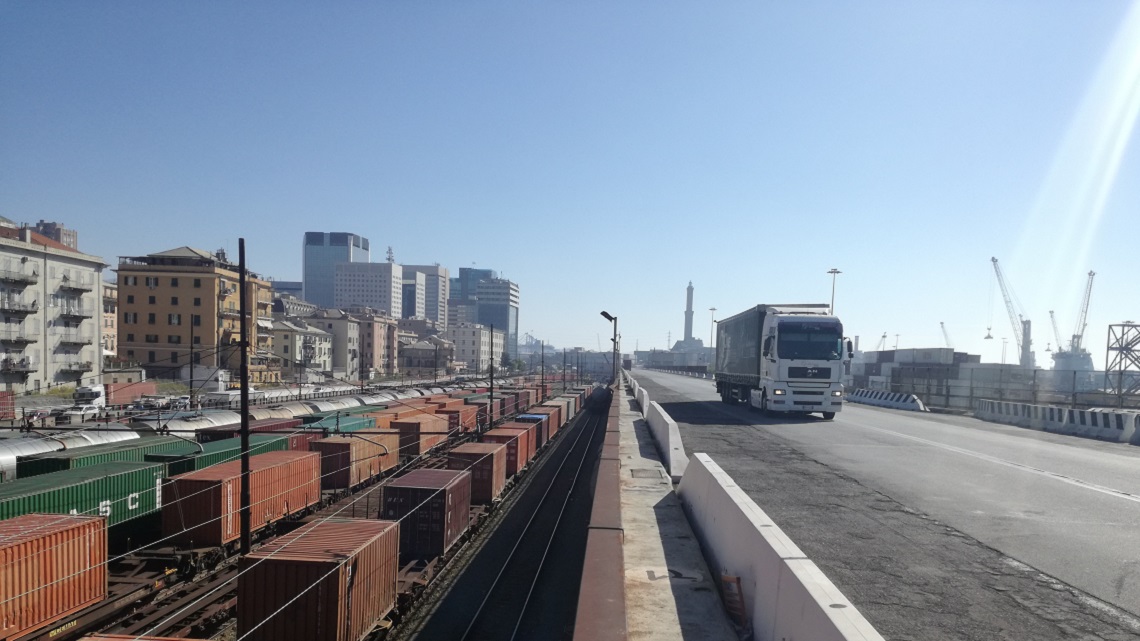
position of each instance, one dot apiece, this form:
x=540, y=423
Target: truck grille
x=809, y=372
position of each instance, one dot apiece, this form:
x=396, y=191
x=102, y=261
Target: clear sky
x=603, y=154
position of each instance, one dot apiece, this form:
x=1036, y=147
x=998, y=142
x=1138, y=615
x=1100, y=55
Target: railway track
x=496, y=595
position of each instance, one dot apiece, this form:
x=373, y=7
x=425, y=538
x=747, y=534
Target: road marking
x=1120, y=494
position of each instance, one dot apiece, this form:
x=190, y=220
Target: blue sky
x=604, y=154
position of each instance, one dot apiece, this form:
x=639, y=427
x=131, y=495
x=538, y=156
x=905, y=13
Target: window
x=150, y=319
x=151, y=300
x=130, y=280
x=130, y=318
x=173, y=357
x=130, y=353
x=173, y=300
x=130, y=298
x=152, y=281
x=197, y=340
x=196, y=320
x=174, y=340
x=286, y=349
x=130, y=338
x=174, y=282
x=197, y=302
x=150, y=357
x=197, y=282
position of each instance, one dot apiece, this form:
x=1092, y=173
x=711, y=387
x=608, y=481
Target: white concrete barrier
x=668, y=437
x=893, y=400
x=786, y=596
x=1121, y=426
x=643, y=400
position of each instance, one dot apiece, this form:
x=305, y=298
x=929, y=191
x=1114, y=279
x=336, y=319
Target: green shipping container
x=188, y=458
x=343, y=424
x=119, y=491
x=135, y=450
x=354, y=411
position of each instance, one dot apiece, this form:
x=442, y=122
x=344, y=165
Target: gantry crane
x=882, y=343
x=1022, y=327
x=946, y=335
x=1056, y=331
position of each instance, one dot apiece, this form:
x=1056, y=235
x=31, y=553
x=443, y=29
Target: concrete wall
x=786, y=596
x=1107, y=425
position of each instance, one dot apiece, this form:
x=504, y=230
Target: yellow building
x=180, y=306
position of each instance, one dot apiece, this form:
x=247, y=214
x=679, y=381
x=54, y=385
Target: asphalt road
x=939, y=527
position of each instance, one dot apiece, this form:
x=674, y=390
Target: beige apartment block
x=50, y=312
x=181, y=306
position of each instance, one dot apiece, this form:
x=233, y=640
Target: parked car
x=81, y=413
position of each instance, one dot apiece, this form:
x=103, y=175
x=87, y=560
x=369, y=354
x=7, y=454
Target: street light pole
x=834, y=272
x=613, y=319
x=712, y=331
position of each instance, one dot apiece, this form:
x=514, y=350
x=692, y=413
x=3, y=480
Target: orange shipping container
x=348, y=461
x=202, y=508
x=531, y=436
x=385, y=417
x=515, y=440
x=420, y=433
x=53, y=565
x=344, y=571
x=467, y=414
x=487, y=463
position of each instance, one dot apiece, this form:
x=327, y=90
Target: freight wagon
x=332, y=580
x=193, y=456
x=350, y=461
x=135, y=450
x=434, y=510
x=201, y=508
x=53, y=565
x=119, y=491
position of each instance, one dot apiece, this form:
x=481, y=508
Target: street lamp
x=712, y=333
x=834, y=272
x=613, y=319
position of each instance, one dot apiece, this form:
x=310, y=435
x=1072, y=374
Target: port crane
x=1022, y=327
x=1076, y=357
x=946, y=335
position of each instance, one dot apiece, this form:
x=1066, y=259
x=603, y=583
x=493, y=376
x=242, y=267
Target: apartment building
x=475, y=344
x=51, y=312
x=429, y=358
x=109, y=332
x=305, y=352
x=379, y=344
x=181, y=306
x=345, y=331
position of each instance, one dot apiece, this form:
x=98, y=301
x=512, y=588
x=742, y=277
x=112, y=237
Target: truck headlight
x=837, y=393
x=778, y=392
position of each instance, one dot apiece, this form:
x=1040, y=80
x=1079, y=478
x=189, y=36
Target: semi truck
x=782, y=359
x=106, y=394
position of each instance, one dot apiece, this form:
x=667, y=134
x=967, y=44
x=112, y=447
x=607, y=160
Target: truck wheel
x=764, y=409
x=827, y=416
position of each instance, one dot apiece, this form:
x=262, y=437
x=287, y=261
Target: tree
x=518, y=364
x=505, y=361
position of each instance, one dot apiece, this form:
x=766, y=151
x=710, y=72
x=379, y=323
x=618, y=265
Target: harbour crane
x=1082, y=316
x=882, y=343
x=1056, y=331
x=946, y=335
x=1022, y=327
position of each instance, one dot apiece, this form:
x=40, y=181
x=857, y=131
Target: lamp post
x=613, y=319
x=834, y=272
x=712, y=332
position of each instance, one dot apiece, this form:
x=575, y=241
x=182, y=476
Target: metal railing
x=15, y=305
x=19, y=365
x=76, y=311
x=78, y=282
x=18, y=277
x=75, y=338
x=76, y=366
x=19, y=335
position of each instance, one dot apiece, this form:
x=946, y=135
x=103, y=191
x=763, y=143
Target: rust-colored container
x=468, y=415
x=487, y=463
x=344, y=571
x=434, y=510
x=515, y=440
x=531, y=436
x=563, y=411
x=554, y=413
x=258, y=426
x=202, y=508
x=452, y=419
x=300, y=441
x=51, y=565
x=448, y=403
x=348, y=461
x=483, y=406
x=420, y=433
x=385, y=417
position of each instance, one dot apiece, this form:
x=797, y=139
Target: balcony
x=18, y=336
x=18, y=278
x=76, y=367
x=75, y=338
x=18, y=366
x=17, y=306
x=76, y=311
x=77, y=283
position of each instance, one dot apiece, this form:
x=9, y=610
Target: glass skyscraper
x=321, y=254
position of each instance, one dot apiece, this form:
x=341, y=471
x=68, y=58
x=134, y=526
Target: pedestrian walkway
x=668, y=590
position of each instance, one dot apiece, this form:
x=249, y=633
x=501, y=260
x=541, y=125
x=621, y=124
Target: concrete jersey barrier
x=893, y=400
x=1121, y=426
x=785, y=595
x=665, y=433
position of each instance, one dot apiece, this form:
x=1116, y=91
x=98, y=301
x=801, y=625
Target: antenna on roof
x=391, y=255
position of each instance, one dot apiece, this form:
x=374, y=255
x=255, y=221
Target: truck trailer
x=782, y=359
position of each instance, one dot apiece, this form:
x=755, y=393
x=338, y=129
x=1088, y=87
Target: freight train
x=364, y=461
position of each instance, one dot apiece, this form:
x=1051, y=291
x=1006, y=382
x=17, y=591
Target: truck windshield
x=810, y=341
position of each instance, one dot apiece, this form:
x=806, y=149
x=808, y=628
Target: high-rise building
x=322, y=252
x=466, y=285
x=58, y=233
x=498, y=305
x=51, y=310
x=415, y=299
x=182, y=306
x=376, y=285
x=437, y=291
